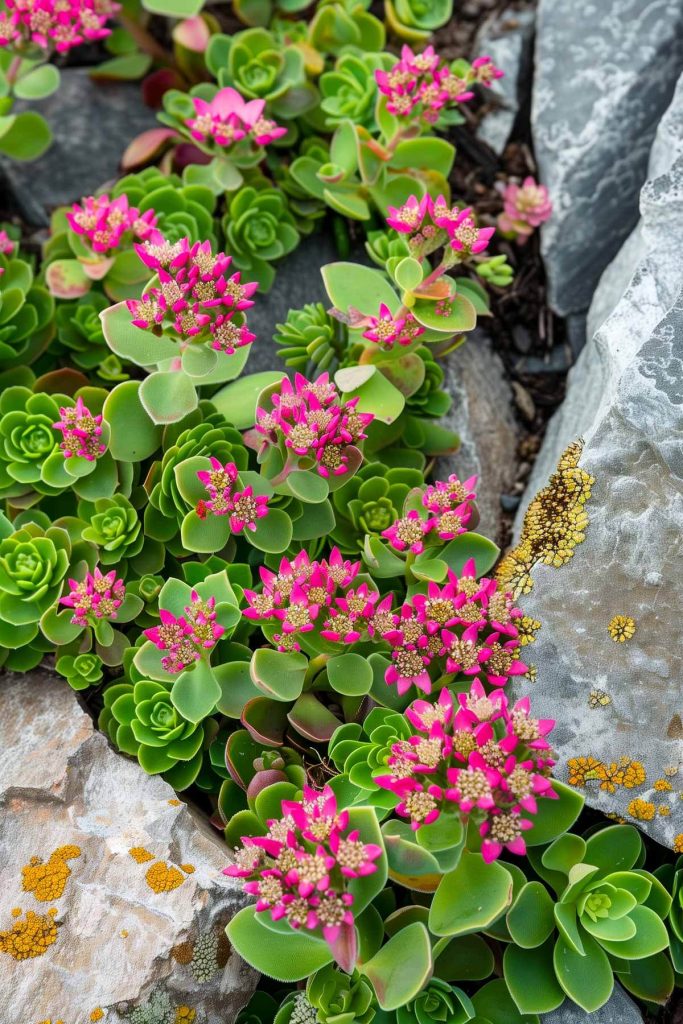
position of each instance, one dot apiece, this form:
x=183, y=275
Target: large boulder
x=92, y=123
x=599, y=564
x=605, y=72
x=112, y=896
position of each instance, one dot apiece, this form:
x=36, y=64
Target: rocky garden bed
x=340, y=560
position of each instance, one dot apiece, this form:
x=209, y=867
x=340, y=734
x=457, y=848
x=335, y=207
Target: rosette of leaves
x=338, y=24
x=26, y=314
x=182, y=210
x=310, y=340
x=430, y=399
x=80, y=331
x=114, y=526
x=381, y=246
x=195, y=691
x=372, y=500
x=438, y=1001
x=259, y=229
x=598, y=916
x=167, y=507
x=141, y=719
x=671, y=877
x=336, y=995
x=256, y=64
x=361, y=752
x=349, y=90
x=307, y=209
x=416, y=20
x=80, y=670
x=33, y=567
x=258, y=13
x=72, y=268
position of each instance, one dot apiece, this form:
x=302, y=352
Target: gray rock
x=482, y=415
x=507, y=39
x=92, y=123
x=99, y=931
x=634, y=293
x=619, y=1010
x=605, y=72
x=615, y=701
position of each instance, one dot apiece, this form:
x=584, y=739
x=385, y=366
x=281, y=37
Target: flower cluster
x=186, y=637
x=301, y=590
x=243, y=507
x=81, y=432
x=7, y=246
x=473, y=756
x=229, y=118
x=388, y=330
x=195, y=296
x=310, y=421
x=55, y=24
x=107, y=223
x=421, y=85
x=431, y=222
x=448, y=505
x=525, y=208
x=300, y=869
x=98, y=596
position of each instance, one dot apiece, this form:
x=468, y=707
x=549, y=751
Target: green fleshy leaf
x=493, y=1002
x=278, y=674
x=349, y=674
x=133, y=343
x=288, y=957
x=133, y=435
x=530, y=978
x=273, y=532
x=530, y=920
x=587, y=979
x=471, y=897
x=401, y=968
x=352, y=286
x=237, y=400
x=195, y=692
x=167, y=396
x=38, y=83
x=554, y=817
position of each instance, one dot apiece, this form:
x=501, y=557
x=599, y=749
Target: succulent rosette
x=26, y=311
x=259, y=229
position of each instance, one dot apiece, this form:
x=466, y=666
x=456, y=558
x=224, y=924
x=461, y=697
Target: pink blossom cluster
x=448, y=510
x=525, y=208
x=7, y=246
x=98, y=596
x=431, y=222
x=195, y=297
x=244, y=507
x=81, y=432
x=229, y=118
x=309, y=421
x=300, y=869
x=476, y=757
x=302, y=592
x=54, y=24
x=389, y=330
x=107, y=223
x=421, y=85
x=186, y=637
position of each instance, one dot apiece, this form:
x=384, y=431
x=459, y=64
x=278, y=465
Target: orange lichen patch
x=97, y=1014
x=182, y=953
x=184, y=1015
x=16, y=911
x=641, y=810
x=554, y=524
x=626, y=773
x=598, y=699
x=47, y=880
x=634, y=773
x=664, y=810
x=611, y=776
x=527, y=629
x=621, y=628
x=30, y=935
x=140, y=855
x=581, y=769
x=124, y=933
x=175, y=803
x=189, y=869
x=678, y=843
x=161, y=878
x=663, y=786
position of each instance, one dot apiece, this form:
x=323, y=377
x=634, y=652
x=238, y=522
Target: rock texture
x=482, y=415
x=86, y=924
x=619, y=1010
x=507, y=39
x=92, y=123
x=605, y=72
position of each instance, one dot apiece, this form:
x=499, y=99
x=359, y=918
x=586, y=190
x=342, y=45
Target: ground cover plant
x=260, y=580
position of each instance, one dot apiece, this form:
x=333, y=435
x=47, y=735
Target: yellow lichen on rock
x=161, y=878
x=554, y=524
x=621, y=628
x=29, y=936
x=641, y=810
x=140, y=855
x=97, y=1014
x=47, y=879
x=184, y=1015
x=678, y=843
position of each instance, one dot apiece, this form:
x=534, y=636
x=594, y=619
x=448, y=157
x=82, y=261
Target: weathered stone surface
x=605, y=72
x=619, y=1010
x=507, y=39
x=121, y=941
x=634, y=293
x=616, y=693
x=482, y=415
x=92, y=123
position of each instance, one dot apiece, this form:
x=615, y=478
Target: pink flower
x=503, y=831
x=96, y=597
x=408, y=218
x=55, y=25
x=188, y=636
x=408, y=668
x=108, y=224
x=247, y=508
x=229, y=118
x=526, y=207
x=466, y=237
x=486, y=71
x=81, y=432
x=409, y=532
x=7, y=246
x=384, y=328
